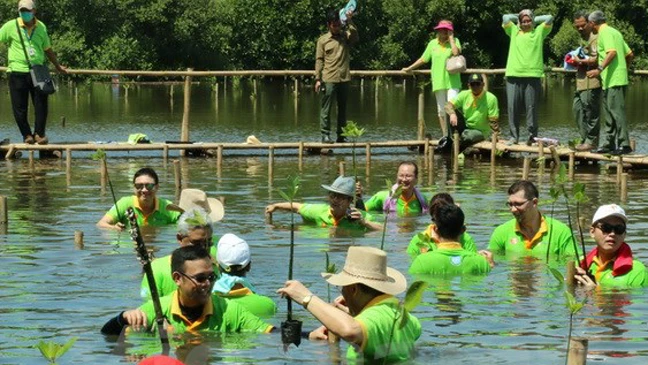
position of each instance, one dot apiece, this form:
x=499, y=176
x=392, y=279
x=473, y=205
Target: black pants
x=20, y=87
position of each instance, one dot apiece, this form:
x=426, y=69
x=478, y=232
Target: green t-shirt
x=415, y=245
x=635, y=278
x=164, y=282
x=616, y=73
x=160, y=216
x=377, y=322
x=220, y=314
x=320, y=214
x=411, y=207
x=507, y=238
x=450, y=260
x=439, y=54
x=525, y=56
x=259, y=305
x=478, y=111
x=37, y=39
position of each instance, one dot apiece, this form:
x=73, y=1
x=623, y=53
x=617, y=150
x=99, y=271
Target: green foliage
x=292, y=187
x=330, y=269
x=558, y=275
x=352, y=131
x=571, y=304
x=414, y=295
x=395, y=193
x=99, y=155
x=52, y=350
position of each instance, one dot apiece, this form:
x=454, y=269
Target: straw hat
x=252, y=140
x=368, y=266
x=190, y=198
x=342, y=185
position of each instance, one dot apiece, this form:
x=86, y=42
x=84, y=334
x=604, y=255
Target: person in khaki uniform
x=332, y=74
x=587, y=99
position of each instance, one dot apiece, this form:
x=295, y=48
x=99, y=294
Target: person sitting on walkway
x=192, y=307
x=151, y=210
x=364, y=315
x=234, y=262
x=473, y=114
x=338, y=213
x=410, y=202
x=610, y=263
x=529, y=231
x=450, y=258
x=428, y=239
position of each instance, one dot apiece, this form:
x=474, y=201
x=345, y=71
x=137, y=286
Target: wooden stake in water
x=104, y=173
x=68, y=166
x=270, y=164
x=455, y=151
x=526, y=167
x=341, y=168
x=624, y=187
x=177, y=177
x=300, y=153
x=184, y=133
x=619, y=169
x=494, y=137
x=572, y=162
x=421, y=114
x=577, y=351
x=4, y=215
x=78, y=240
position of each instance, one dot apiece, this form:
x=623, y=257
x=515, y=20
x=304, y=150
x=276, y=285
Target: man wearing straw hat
x=367, y=315
x=337, y=213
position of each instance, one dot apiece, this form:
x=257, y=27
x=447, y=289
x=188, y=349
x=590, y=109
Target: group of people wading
x=203, y=286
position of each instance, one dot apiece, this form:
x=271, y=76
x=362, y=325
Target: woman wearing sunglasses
x=150, y=210
x=610, y=263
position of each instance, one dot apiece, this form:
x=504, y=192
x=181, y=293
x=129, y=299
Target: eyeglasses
x=200, y=278
x=516, y=204
x=149, y=186
x=609, y=228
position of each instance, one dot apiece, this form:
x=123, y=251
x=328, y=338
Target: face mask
x=26, y=16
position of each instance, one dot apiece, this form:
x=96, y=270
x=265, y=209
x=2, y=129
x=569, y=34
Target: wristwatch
x=600, y=68
x=306, y=300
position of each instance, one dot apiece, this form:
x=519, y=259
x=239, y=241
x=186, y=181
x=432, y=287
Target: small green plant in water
x=413, y=298
x=330, y=269
x=352, y=131
x=571, y=304
x=52, y=350
x=395, y=193
x=558, y=189
x=99, y=155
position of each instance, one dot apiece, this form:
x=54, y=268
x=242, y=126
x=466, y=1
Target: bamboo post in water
x=421, y=114
x=341, y=168
x=572, y=161
x=184, y=133
x=368, y=156
x=296, y=87
x=78, y=240
x=426, y=147
x=577, y=351
x=103, y=165
x=219, y=157
x=63, y=122
x=633, y=144
x=300, y=153
x=165, y=153
x=455, y=151
x=31, y=157
x=619, y=169
x=176, y=175
x=494, y=137
x=624, y=187
x=270, y=164
x=68, y=165
x=525, y=168
x=541, y=161
x=431, y=167
x=4, y=215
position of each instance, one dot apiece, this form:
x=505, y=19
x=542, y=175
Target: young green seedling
x=52, y=350
x=330, y=269
x=352, y=131
x=394, y=193
x=413, y=298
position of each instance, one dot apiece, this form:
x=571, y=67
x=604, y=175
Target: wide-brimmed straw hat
x=368, y=266
x=252, y=140
x=342, y=185
x=190, y=198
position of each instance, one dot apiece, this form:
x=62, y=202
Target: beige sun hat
x=190, y=198
x=252, y=140
x=368, y=266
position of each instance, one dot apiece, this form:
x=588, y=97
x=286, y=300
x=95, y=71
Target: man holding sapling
x=528, y=233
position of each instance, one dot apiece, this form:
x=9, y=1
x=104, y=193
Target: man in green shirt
x=337, y=213
x=192, y=307
x=450, y=258
x=529, y=232
x=610, y=263
x=332, y=71
x=366, y=313
x=525, y=69
x=614, y=56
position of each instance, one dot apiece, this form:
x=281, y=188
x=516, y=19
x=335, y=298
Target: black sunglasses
x=141, y=187
x=200, y=278
x=609, y=228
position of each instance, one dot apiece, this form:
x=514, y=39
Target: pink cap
x=444, y=24
x=160, y=360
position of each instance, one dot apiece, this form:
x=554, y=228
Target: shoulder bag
x=456, y=64
x=40, y=74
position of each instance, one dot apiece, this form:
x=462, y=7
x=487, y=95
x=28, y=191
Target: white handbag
x=456, y=64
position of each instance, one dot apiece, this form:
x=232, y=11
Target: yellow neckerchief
x=145, y=217
x=601, y=267
x=443, y=45
x=335, y=221
x=378, y=299
x=449, y=246
x=603, y=26
x=208, y=310
x=541, y=231
x=430, y=233
x=240, y=292
x=476, y=97
x=407, y=201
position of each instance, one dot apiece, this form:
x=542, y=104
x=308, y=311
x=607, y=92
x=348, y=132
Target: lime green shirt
x=507, y=238
x=478, y=110
x=320, y=214
x=403, y=207
x=377, y=322
x=450, y=259
x=616, y=72
x=159, y=217
x=36, y=39
x=417, y=244
x=219, y=314
x=525, y=56
x=635, y=278
x=439, y=53
x=259, y=305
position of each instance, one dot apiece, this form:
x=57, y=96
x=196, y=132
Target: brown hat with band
x=190, y=198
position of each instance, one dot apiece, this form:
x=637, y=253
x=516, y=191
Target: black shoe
x=602, y=150
x=621, y=151
x=326, y=139
x=341, y=139
x=444, y=145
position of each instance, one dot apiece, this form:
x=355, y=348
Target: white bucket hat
x=342, y=185
x=368, y=266
x=610, y=210
x=190, y=198
x=232, y=250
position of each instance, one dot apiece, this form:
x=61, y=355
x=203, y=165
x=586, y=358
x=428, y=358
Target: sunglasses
x=140, y=187
x=200, y=278
x=609, y=228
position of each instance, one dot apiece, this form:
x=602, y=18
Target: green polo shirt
x=377, y=323
x=403, y=207
x=35, y=38
x=507, y=238
x=635, y=278
x=525, y=56
x=416, y=244
x=320, y=215
x=616, y=73
x=450, y=259
x=219, y=314
x=478, y=110
x=259, y=305
x=438, y=54
x=159, y=217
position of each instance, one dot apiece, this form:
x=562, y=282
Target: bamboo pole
x=368, y=155
x=165, y=153
x=431, y=167
x=219, y=157
x=10, y=152
x=577, y=351
x=300, y=154
x=455, y=151
x=526, y=167
x=494, y=137
x=296, y=87
x=78, y=240
x=619, y=169
x=31, y=157
x=426, y=148
x=421, y=114
x=624, y=187
x=572, y=161
x=554, y=156
x=270, y=165
x=4, y=215
x=68, y=166
x=633, y=144
x=184, y=133
x=177, y=177
x=341, y=168
x=541, y=161
x=103, y=165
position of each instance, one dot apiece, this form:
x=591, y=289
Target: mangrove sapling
x=352, y=131
x=51, y=351
x=394, y=191
x=413, y=298
x=556, y=191
x=291, y=329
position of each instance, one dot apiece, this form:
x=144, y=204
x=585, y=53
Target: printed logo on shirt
x=455, y=260
x=514, y=241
